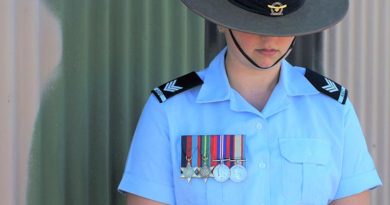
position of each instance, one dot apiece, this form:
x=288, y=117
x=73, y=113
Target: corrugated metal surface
x=357, y=54
x=74, y=77
x=30, y=49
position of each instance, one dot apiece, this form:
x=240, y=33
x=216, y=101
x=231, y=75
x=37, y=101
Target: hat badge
x=277, y=8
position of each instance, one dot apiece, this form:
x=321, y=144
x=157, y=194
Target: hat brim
x=312, y=17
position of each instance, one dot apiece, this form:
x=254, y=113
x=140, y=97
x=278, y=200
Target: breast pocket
x=305, y=170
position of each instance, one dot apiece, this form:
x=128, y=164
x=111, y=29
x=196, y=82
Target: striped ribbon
x=212, y=150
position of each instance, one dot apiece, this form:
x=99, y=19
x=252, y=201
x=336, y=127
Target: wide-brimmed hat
x=270, y=17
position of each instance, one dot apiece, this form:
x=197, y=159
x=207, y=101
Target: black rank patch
x=327, y=86
x=176, y=86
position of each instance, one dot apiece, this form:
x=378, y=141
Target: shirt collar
x=292, y=82
x=216, y=87
x=292, y=79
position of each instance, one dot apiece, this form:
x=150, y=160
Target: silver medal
x=238, y=173
x=221, y=173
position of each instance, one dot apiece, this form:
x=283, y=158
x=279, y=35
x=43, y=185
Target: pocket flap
x=305, y=150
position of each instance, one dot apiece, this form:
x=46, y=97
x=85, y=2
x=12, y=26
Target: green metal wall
x=114, y=53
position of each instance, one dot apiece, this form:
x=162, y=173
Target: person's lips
x=267, y=51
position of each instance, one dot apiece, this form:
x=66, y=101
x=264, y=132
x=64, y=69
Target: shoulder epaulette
x=327, y=86
x=176, y=86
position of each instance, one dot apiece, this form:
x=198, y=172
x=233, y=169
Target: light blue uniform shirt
x=303, y=148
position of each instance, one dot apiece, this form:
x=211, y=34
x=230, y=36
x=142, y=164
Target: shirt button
x=259, y=126
x=262, y=165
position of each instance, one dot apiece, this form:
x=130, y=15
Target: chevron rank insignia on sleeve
x=327, y=86
x=174, y=87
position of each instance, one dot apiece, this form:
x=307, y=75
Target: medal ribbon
x=194, y=159
x=205, y=151
x=222, y=149
x=238, y=149
x=200, y=145
x=214, y=150
x=188, y=156
x=228, y=149
x=183, y=151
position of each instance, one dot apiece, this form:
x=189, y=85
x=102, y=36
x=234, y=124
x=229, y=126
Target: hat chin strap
x=252, y=61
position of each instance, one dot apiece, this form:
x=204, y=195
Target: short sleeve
x=148, y=171
x=358, y=171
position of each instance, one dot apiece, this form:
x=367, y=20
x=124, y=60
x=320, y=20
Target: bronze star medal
x=205, y=170
x=188, y=171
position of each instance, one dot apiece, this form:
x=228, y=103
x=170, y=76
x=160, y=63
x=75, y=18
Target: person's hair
x=220, y=28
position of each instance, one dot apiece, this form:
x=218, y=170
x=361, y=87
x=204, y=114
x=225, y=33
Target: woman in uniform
x=251, y=128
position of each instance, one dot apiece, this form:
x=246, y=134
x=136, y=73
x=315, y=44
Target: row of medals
x=221, y=172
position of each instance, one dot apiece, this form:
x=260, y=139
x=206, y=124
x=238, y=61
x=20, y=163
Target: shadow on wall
x=114, y=53
x=30, y=52
x=71, y=158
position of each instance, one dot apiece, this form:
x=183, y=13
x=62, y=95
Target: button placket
x=262, y=165
x=259, y=126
